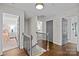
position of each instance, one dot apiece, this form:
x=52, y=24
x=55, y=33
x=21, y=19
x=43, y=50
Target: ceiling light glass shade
x=39, y=6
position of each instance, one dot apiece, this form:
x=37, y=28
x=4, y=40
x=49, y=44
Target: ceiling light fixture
x=39, y=6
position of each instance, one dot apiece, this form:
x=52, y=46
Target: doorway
x=10, y=31
x=64, y=31
x=49, y=30
x=69, y=35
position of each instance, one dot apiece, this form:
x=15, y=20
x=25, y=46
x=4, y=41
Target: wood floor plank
x=15, y=52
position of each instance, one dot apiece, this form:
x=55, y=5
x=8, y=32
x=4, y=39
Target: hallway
x=34, y=28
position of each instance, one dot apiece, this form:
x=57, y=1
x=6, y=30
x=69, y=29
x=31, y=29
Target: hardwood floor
x=42, y=43
x=15, y=52
x=10, y=44
x=54, y=50
x=65, y=50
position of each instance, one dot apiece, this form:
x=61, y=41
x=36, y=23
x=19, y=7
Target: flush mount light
x=39, y=6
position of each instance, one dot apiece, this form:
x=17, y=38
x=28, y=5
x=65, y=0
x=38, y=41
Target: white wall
x=0, y=34
x=69, y=29
x=26, y=27
x=11, y=10
x=33, y=29
x=72, y=38
x=78, y=35
x=44, y=26
x=57, y=31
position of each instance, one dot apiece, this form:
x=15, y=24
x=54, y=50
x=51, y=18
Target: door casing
x=49, y=30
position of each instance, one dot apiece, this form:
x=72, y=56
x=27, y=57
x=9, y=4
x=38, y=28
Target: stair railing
x=47, y=38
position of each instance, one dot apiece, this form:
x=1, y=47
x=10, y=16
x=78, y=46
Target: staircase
x=33, y=50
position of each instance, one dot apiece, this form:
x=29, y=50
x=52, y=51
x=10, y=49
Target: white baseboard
x=72, y=42
x=57, y=43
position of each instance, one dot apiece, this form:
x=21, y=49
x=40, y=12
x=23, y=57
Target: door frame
x=64, y=24
x=18, y=43
x=52, y=30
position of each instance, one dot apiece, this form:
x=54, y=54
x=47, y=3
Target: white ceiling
x=50, y=9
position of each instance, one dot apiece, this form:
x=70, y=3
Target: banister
x=41, y=33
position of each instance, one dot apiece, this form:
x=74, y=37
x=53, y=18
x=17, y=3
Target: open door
x=49, y=30
x=10, y=31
